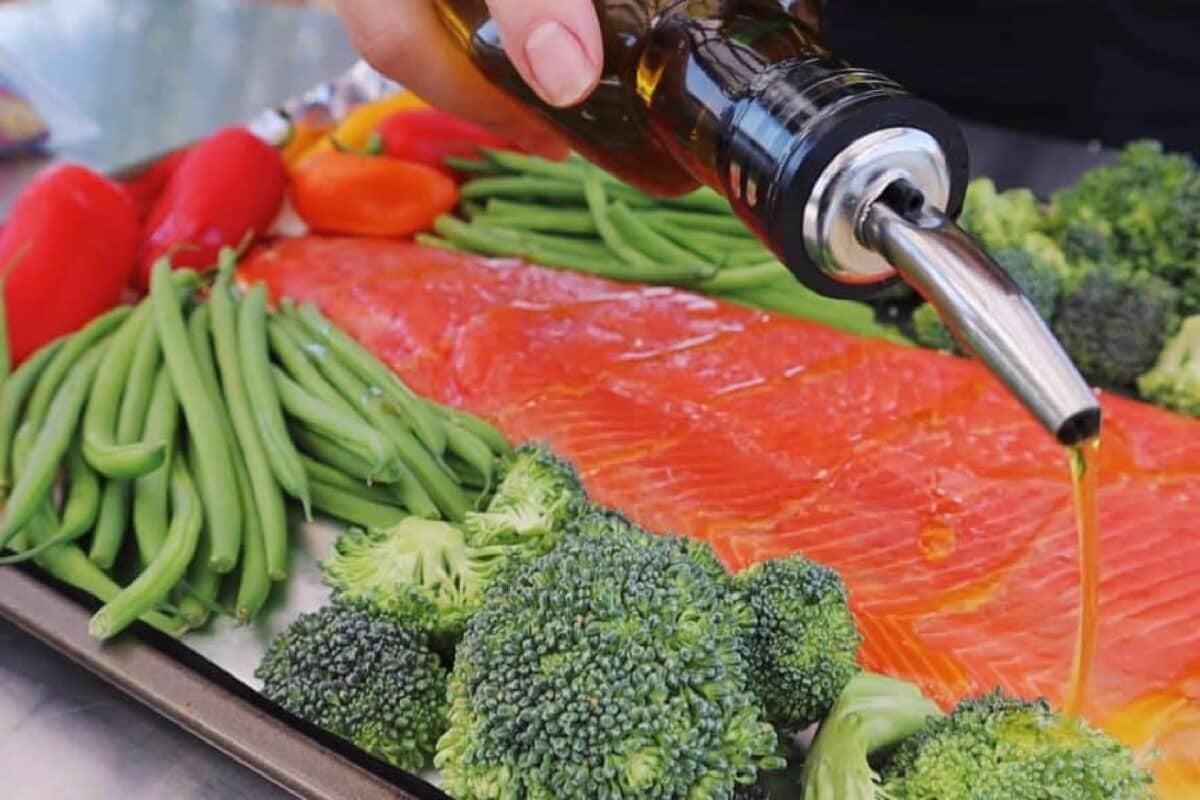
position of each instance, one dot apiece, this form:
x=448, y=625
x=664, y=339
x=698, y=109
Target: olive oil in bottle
x=740, y=96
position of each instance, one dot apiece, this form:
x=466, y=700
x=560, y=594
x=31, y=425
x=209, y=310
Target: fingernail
x=560, y=66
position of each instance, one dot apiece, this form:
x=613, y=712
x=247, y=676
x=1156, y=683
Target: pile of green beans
x=190, y=419
x=572, y=215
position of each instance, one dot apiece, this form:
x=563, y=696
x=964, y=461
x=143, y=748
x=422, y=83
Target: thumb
x=555, y=44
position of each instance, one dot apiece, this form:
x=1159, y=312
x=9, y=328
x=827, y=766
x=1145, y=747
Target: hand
x=554, y=44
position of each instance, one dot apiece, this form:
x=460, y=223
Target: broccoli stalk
x=873, y=714
x=1174, y=382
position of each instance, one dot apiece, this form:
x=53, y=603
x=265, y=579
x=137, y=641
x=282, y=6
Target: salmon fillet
x=943, y=504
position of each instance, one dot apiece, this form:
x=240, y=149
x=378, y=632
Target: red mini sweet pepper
x=228, y=186
x=429, y=136
x=148, y=185
x=67, y=252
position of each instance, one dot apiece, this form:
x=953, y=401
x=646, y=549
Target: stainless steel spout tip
x=985, y=311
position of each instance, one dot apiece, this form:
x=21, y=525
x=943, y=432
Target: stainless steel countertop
x=155, y=74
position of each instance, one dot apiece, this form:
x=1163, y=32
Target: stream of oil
x=1083, y=476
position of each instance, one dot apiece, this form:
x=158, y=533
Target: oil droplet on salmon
x=1083, y=476
x=937, y=542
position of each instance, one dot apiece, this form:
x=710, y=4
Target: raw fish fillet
x=945, y=507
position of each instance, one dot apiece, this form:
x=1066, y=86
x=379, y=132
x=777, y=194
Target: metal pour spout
x=984, y=310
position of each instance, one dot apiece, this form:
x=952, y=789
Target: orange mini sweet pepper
x=352, y=193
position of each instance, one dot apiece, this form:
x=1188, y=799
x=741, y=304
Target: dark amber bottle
x=741, y=96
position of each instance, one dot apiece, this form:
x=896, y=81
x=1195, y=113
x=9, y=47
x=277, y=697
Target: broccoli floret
x=1113, y=324
x=1003, y=748
x=420, y=571
x=803, y=644
x=618, y=529
x=928, y=330
x=1087, y=242
x=1039, y=267
x=610, y=667
x=1174, y=382
x=1147, y=205
x=1000, y=220
x=872, y=715
x=537, y=493
x=362, y=676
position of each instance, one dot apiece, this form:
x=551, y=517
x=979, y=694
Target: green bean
x=79, y=510
x=736, y=279
x=143, y=370
x=493, y=438
x=268, y=412
x=68, y=564
x=12, y=397
x=254, y=583
x=573, y=169
x=73, y=348
x=658, y=248
x=791, y=298
x=398, y=478
x=472, y=452
x=200, y=335
x=288, y=342
x=376, y=374
x=508, y=244
x=331, y=476
x=532, y=165
x=522, y=187
x=51, y=444
x=702, y=199
x=472, y=166
x=353, y=509
x=359, y=437
x=527, y=216
x=155, y=582
x=647, y=269
x=100, y=441
x=585, y=248
x=150, y=518
x=331, y=452
x=111, y=523
x=219, y=490
x=436, y=242
x=702, y=222
x=83, y=495
x=270, y=523
x=196, y=595
x=435, y=480
x=717, y=246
